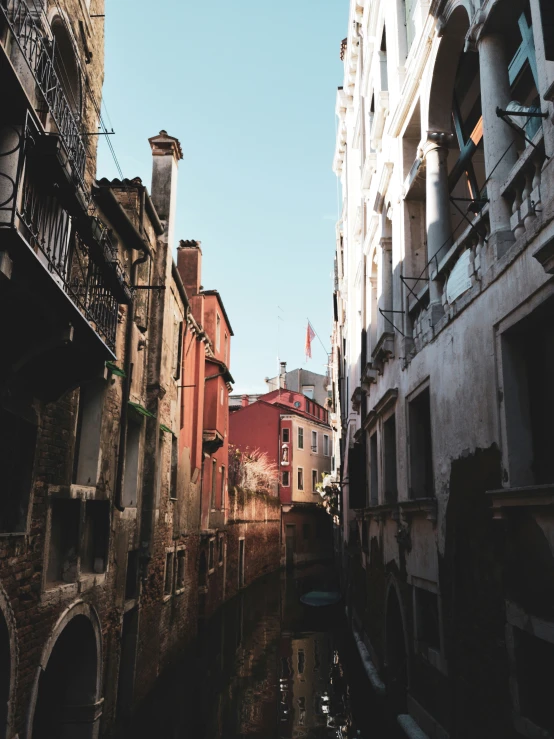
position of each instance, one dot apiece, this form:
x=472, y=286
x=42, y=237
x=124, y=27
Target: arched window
x=66, y=66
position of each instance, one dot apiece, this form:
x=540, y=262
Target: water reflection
x=269, y=667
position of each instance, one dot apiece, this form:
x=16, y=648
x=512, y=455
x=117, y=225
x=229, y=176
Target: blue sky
x=249, y=90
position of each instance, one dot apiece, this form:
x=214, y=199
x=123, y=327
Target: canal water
x=269, y=667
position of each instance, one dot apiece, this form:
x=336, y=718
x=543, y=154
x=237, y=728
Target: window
x=132, y=463
x=214, y=482
x=221, y=396
x=177, y=348
x=301, y=661
x=286, y=479
x=96, y=530
x=314, y=481
x=79, y=535
x=314, y=442
x=89, y=427
x=220, y=545
x=374, y=471
x=168, y=579
x=131, y=577
x=389, y=439
x=527, y=368
x=241, y=564
x=222, y=502
x=300, y=437
x=300, y=478
x=421, y=461
x=428, y=623
x=211, y=555
x=174, y=467
x=325, y=445
x=181, y=570
x=428, y=632
x=159, y=468
x=308, y=391
x=286, y=435
x=18, y=439
x=64, y=540
x=226, y=348
x=535, y=679
x=66, y=66
x=217, y=332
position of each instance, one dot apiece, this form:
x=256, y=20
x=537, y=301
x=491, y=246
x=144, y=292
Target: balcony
x=30, y=43
x=64, y=281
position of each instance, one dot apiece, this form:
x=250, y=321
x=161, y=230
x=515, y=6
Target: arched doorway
x=396, y=655
x=67, y=701
x=5, y=674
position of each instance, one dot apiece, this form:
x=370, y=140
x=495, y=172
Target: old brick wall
x=254, y=517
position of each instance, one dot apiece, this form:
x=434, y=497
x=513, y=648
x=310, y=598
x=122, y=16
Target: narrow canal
x=269, y=667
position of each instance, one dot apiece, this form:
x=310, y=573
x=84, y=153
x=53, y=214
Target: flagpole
x=315, y=332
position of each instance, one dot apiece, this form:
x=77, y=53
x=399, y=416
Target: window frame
x=287, y=439
x=213, y=491
x=300, y=437
x=217, y=331
x=169, y=574
x=180, y=586
x=287, y=483
x=300, y=474
x=315, y=447
x=326, y=447
x=315, y=481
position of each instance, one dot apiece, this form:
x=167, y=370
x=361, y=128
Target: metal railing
x=77, y=252
x=37, y=52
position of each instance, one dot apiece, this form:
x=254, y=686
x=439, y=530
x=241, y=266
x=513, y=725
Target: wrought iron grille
x=77, y=252
x=37, y=52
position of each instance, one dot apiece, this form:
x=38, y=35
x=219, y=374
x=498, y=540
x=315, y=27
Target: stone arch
x=66, y=62
x=396, y=648
x=66, y=699
x=445, y=68
x=9, y=657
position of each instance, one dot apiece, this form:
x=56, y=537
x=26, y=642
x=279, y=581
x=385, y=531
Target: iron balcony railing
x=37, y=52
x=75, y=249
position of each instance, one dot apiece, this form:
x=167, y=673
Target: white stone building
x=443, y=357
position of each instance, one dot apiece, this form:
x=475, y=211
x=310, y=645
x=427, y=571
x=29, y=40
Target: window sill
x=532, y=496
x=180, y=591
x=167, y=597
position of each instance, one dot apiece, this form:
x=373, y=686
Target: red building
x=204, y=440
x=294, y=432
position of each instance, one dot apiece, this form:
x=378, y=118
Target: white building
x=443, y=356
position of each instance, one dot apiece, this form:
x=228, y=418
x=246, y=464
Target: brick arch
x=9, y=654
x=397, y=653
x=74, y=649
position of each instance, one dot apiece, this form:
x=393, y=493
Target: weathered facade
x=111, y=381
x=442, y=348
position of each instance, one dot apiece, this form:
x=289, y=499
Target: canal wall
x=243, y=550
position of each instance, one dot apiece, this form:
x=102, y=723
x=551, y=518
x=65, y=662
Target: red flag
x=310, y=334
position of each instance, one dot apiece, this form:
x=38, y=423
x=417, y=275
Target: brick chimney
x=245, y=401
x=166, y=153
x=189, y=264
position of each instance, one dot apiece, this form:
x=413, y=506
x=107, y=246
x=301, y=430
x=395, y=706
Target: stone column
x=498, y=138
x=437, y=211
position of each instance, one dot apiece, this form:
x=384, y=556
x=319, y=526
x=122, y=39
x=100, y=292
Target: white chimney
x=166, y=153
